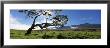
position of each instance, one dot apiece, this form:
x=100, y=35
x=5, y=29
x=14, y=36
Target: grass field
x=55, y=34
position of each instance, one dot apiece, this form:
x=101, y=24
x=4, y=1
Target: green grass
x=55, y=34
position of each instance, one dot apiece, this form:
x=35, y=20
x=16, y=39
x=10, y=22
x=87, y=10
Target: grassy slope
x=53, y=34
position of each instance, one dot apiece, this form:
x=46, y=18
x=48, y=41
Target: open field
x=55, y=34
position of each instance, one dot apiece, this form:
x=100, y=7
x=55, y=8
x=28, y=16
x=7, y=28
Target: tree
x=34, y=14
x=58, y=20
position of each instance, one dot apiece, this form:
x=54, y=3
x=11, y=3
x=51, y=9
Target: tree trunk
x=32, y=27
x=29, y=30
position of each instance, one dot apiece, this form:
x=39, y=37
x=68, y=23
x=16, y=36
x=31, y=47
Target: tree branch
x=34, y=20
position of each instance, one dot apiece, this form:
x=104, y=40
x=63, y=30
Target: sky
x=75, y=17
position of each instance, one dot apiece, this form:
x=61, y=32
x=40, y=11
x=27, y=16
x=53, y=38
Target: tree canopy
x=57, y=20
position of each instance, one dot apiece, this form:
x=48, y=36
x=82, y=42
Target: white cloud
x=42, y=19
x=52, y=27
x=15, y=24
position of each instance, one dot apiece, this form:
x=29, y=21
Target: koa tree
x=34, y=13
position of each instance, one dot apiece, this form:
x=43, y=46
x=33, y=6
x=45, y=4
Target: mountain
x=87, y=25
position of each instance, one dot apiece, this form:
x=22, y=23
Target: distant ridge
x=87, y=25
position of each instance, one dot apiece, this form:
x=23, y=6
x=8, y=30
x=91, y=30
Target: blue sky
x=75, y=17
x=83, y=16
